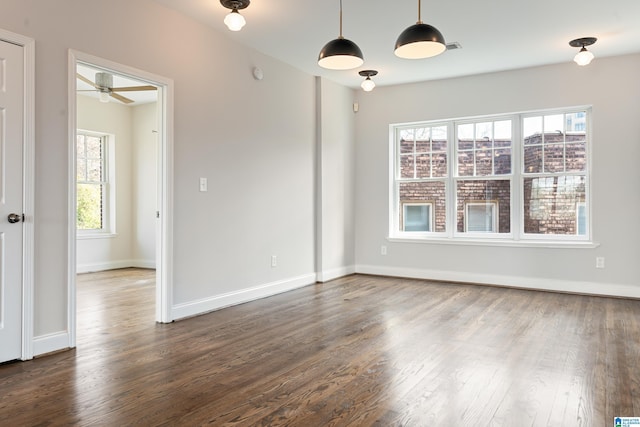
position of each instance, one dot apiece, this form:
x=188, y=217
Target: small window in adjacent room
x=481, y=217
x=93, y=189
x=416, y=216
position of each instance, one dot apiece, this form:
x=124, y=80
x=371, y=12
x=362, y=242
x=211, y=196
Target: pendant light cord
x=340, y=18
x=419, y=12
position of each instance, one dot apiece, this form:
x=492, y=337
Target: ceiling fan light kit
x=104, y=86
x=340, y=53
x=234, y=21
x=583, y=57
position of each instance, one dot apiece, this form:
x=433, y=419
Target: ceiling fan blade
x=86, y=80
x=121, y=98
x=133, y=88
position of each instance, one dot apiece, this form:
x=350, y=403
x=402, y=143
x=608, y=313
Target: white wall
x=145, y=179
x=336, y=252
x=610, y=85
x=253, y=140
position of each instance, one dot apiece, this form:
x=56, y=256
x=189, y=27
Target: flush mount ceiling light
x=340, y=53
x=234, y=21
x=420, y=40
x=583, y=57
x=368, y=84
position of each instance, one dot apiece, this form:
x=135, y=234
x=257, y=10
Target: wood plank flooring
x=357, y=351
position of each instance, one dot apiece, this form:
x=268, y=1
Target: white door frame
x=164, y=234
x=28, y=188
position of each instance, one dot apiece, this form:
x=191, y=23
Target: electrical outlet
x=600, y=262
x=274, y=260
x=383, y=250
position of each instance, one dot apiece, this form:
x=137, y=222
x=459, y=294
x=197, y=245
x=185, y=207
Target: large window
x=92, y=175
x=521, y=176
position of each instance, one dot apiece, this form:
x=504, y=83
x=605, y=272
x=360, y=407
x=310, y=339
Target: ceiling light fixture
x=368, y=84
x=340, y=53
x=234, y=21
x=583, y=57
x=420, y=40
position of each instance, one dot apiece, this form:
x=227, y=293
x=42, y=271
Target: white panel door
x=11, y=203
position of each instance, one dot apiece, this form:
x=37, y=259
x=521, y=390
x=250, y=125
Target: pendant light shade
x=420, y=41
x=583, y=57
x=367, y=84
x=234, y=21
x=340, y=53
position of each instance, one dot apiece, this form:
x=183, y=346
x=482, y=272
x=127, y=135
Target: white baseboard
x=49, y=343
x=533, y=283
x=205, y=305
x=325, y=276
x=114, y=265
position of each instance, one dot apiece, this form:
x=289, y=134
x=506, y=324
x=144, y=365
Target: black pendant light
x=420, y=41
x=340, y=53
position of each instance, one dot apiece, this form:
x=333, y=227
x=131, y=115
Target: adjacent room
x=346, y=212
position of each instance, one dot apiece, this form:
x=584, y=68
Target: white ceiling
x=495, y=34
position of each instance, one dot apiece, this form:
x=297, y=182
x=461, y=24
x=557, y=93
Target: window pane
x=502, y=130
x=532, y=126
x=89, y=207
x=494, y=191
x=80, y=152
x=439, y=165
x=407, y=166
x=532, y=159
x=417, y=217
x=576, y=123
x=484, y=162
x=423, y=166
x=481, y=217
x=406, y=146
x=576, y=158
x=81, y=170
x=465, y=163
x=554, y=158
x=502, y=162
x=426, y=192
x=94, y=147
x=94, y=170
x=554, y=123
x=484, y=131
x=551, y=203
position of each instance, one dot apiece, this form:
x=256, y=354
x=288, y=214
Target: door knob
x=13, y=218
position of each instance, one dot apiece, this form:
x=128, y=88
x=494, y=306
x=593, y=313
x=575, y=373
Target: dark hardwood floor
x=357, y=351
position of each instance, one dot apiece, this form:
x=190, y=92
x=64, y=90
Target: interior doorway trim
x=164, y=227
x=28, y=192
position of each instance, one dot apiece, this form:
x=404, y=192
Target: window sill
x=87, y=236
x=585, y=244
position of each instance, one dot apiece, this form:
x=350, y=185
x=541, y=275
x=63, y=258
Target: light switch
x=203, y=184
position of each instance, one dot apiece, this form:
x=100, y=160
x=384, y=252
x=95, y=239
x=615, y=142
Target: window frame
x=428, y=204
x=516, y=236
x=107, y=183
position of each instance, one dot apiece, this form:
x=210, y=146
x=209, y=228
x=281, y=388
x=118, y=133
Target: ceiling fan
x=104, y=85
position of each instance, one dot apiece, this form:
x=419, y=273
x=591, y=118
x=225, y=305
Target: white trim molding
x=51, y=342
x=335, y=273
x=520, y=282
x=115, y=265
x=217, y=302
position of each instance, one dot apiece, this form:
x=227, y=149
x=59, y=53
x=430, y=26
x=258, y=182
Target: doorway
x=93, y=161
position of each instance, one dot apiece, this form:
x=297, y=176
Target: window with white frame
x=481, y=217
x=92, y=179
x=518, y=176
x=417, y=216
